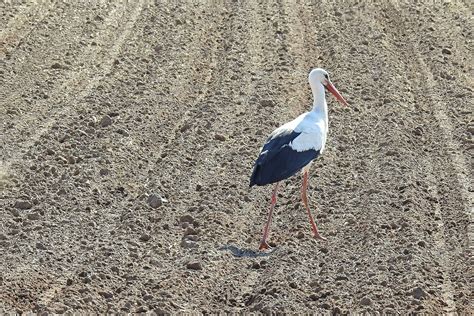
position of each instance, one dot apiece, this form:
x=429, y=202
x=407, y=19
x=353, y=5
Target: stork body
x=293, y=146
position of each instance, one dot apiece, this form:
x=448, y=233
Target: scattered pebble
x=446, y=51
x=105, y=121
x=350, y=219
x=58, y=66
x=188, y=244
x=123, y=132
x=341, y=278
x=145, y=237
x=190, y=231
x=422, y=243
x=40, y=246
x=365, y=301
x=186, y=219
x=33, y=216
x=147, y=297
x=194, y=265
x=267, y=103
x=14, y=212
x=219, y=137
x=255, y=265
x=185, y=127
x=23, y=205
x=106, y=295
x=154, y=200
x=419, y=293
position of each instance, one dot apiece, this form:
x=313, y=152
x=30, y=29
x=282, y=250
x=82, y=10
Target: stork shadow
x=245, y=252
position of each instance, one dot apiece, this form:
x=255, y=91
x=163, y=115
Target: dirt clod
x=105, y=121
x=23, y=205
x=154, y=200
x=419, y=293
x=195, y=265
x=145, y=237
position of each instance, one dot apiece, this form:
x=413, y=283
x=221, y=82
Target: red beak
x=336, y=93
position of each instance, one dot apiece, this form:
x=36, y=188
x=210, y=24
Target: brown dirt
x=105, y=105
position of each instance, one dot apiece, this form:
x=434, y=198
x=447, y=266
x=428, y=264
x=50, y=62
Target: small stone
x=255, y=265
x=57, y=66
x=14, y=212
x=190, y=231
x=106, y=294
x=145, y=237
x=314, y=297
x=186, y=219
x=365, y=301
x=446, y=51
x=188, y=244
x=3, y=237
x=49, y=152
x=104, y=172
x=141, y=309
x=341, y=278
x=198, y=187
x=219, y=137
x=23, y=205
x=419, y=293
x=267, y=103
x=33, y=216
x=105, y=121
x=68, y=282
x=40, y=246
x=195, y=265
x=147, y=297
x=192, y=237
x=350, y=219
x=154, y=200
x=185, y=127
x=300, y=235
x=422, y=243
x=123, y=132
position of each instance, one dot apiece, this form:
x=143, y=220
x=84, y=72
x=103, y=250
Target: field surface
x=129, y=131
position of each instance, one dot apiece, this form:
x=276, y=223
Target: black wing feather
x=278, y=161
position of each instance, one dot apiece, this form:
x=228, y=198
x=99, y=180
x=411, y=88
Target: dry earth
x=128, y=136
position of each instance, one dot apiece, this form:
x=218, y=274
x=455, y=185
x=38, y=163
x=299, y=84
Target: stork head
x=319, y=76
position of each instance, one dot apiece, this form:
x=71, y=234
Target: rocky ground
x=128, y=136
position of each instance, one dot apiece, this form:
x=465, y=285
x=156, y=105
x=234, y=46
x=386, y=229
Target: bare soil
x=129, y=131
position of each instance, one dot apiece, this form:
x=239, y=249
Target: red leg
x=266, y=229
x=305, y=201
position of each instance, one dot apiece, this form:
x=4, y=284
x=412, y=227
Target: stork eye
x=326, y=76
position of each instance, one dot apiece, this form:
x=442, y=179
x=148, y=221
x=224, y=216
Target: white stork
x=294, y=145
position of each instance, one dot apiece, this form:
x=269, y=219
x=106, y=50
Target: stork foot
x=318, y=236
x=263, y=245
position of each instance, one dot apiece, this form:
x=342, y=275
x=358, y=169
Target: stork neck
x=319, y=98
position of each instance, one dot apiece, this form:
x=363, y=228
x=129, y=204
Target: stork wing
x=284, y=154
